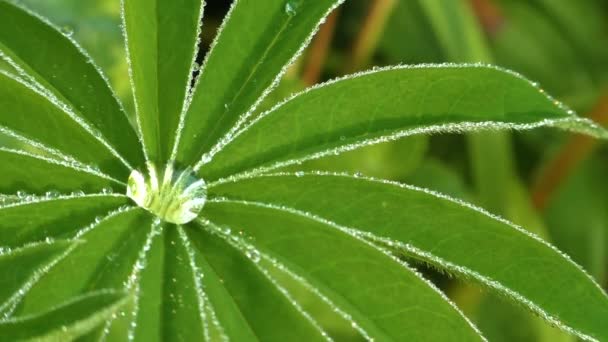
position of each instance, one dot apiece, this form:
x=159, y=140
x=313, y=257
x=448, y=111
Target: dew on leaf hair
x=357, y=234
x=304, y=283
x=10, y=305
x=239, y=242
x=244, y=118
x=571, y=122
x=439, y=262
x=291, y=7
x=205, y=307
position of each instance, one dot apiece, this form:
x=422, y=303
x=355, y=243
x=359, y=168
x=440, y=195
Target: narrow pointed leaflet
x=387, y=104
x=256, y=42
x=446, y=233
x=53, y=62
x=162, y=43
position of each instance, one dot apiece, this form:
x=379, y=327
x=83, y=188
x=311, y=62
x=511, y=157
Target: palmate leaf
x=217, y=278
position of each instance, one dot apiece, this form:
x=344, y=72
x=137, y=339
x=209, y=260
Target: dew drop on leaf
x=175, y=196
x=68, y=31
x=52, y=194
x=291, y=7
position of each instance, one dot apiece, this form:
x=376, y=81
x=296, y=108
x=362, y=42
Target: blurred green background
x=554, y=184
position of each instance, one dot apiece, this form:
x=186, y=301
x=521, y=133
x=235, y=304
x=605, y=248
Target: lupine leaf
x=406, y=101
x=162, y=39
x=447, y=234
x=252, y=290
x=51, y=59
x=257, y=41
x=217, y=278
x=105, y=259
x=29, y=108
x=384, y=298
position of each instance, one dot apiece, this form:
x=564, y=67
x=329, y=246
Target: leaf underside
x=273, y=256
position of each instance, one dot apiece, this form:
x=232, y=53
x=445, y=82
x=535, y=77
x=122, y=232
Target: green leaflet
x=56, y=216
x=35, y=117
x=386, y=299
x=339, y=115
x=66, y=322
x=169, y=296
x=21, y=267
x=24, y=172
x=54, y=62
x=162, y=39
x=256, y=42
x=269, y=314
x=220, y=302
x=105, y=259
x=447, y=234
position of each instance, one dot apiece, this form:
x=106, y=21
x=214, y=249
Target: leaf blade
x=161, y=38
x=21, y=171
x=66, y=322
x=484, y=247
x=255, y=44
x=23, y=265
x=406, y=101
x=25, y=108
x=60, y=66
x=255, y=294
x=384, y=297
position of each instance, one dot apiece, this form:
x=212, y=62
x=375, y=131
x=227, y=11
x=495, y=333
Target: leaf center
x=173, y=196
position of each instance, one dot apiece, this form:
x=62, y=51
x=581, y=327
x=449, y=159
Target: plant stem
x=572, y=154
x=319, y=50
x=489, y=15
x=371, y=30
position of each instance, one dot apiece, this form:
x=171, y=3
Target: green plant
x=188, y=227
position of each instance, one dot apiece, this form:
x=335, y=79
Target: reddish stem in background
x=319, y=50
x=489, y=14
x=568, y=159
x=367, y=40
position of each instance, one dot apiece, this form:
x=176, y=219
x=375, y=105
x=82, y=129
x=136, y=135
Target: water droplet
x=342, y=138
x=52, y=194
x=300, y=174
x=291, y=7
x=21, y=194
x=173, y=196
x=253, y=254
x=67, y=30
x=107, y=191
